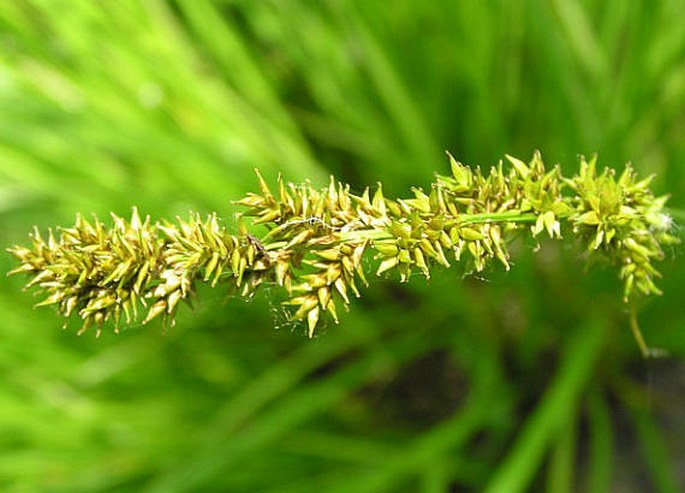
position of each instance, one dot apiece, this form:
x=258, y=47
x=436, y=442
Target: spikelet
x=316, y=240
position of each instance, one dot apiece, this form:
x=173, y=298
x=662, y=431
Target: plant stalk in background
x=315, y=241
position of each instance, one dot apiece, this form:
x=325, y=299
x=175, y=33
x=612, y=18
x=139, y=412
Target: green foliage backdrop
x=527, y=380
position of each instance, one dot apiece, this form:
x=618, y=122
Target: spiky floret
x=316, y=240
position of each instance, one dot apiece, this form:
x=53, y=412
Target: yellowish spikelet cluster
x=316, y=240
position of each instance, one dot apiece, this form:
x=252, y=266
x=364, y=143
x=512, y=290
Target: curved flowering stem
x=316, y=239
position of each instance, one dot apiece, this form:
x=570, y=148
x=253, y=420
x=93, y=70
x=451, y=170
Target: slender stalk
x=559, y=402
x=637, y=333
x=504, y=217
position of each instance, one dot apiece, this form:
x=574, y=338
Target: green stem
x=654, y=447
x=510, y=216
x=601, y=451
x=637, y=333
x=520, y=466
x=486, y=217
x=365, y=234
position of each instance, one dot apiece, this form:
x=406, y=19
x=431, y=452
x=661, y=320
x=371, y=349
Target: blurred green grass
x=527, y=382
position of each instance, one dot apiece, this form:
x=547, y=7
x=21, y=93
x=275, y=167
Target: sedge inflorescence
x=315, y=240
